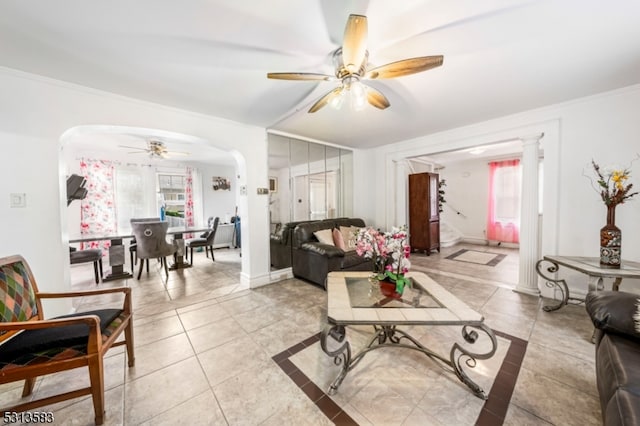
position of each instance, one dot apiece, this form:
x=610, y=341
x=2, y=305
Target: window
x=504, y=201
x=172, y=187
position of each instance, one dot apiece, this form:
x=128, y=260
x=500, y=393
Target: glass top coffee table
x=353, y=300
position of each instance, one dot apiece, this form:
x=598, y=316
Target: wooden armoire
x=424, y=215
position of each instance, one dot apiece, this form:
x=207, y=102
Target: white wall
x=31, y=168
x=466, y=191
x=366, y=195
x=604, y=127
x=36, y=112
x=220, y=203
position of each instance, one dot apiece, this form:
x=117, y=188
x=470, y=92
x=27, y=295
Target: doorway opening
x=470, y=205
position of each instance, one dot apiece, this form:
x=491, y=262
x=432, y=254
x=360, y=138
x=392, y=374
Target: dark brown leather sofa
x=313, y=260
x=280, y=245
x=617, y=355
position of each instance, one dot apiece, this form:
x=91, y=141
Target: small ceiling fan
x=351, y=63
x=155, y=149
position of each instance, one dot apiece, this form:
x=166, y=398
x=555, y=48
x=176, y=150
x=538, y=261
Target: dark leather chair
x=617, y=341
x=151, y=241
x=31, y=346
x=205, y=240
x=85, y=256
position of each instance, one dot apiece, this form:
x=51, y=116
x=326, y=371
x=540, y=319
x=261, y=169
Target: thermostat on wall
x=17, y=200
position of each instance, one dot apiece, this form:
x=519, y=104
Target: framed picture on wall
x=219, y=182
x=273, y=184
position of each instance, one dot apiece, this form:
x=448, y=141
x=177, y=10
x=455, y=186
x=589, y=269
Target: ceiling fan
x=155, y=149
x=351, y=64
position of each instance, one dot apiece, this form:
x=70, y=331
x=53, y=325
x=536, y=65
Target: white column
x=528, y=276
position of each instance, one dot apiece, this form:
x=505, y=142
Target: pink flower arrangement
x=389, y=251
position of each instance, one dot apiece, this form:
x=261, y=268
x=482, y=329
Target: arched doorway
x=140, y=171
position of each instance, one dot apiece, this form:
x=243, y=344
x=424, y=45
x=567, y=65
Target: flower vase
x=610, y=241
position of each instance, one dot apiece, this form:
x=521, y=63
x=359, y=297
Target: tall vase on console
x=611, y=183
x=610, y=241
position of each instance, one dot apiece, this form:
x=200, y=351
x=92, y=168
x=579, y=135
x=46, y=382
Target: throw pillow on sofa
x=338, y=239
x=349, y=236
x=325, y=236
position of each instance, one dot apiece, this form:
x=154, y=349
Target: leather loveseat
x=617, y=355
x=280, y=245
x=313, y=260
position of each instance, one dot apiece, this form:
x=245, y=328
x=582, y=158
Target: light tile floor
x=204, y=348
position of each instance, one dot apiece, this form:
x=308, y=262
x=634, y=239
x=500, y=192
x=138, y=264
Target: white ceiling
x=130, y=144
x=212, y=56
x=495, y=151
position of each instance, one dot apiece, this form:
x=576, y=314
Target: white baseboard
x=256, y=280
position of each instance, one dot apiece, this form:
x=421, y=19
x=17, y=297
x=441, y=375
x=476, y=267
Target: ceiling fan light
x=358, y=95
x=337, y=101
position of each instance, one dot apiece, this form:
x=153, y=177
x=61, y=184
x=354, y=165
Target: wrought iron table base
x=390, y=336
x=595, y=283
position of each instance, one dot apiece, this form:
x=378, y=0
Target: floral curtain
x=198, y=202
x=504, y=201
x=188, y=201
x=97, y=210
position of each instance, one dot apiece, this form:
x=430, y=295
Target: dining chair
x=31, y=346
x=132, y=243
x=85, y=256
x=205, y=240
x=151, y=241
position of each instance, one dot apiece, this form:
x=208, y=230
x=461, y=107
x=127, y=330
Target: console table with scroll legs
x=589, y=266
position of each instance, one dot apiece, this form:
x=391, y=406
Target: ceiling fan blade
x=137, y=152
x=177, y=153
x=299, y=76
x=325, y=99
x=354, y=44
x=377, y=99
x=132, y=147
x=405, y=67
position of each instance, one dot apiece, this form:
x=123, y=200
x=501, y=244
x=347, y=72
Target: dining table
x=117, y=258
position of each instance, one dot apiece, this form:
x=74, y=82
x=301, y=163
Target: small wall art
x=220, y=183
x=273, y=184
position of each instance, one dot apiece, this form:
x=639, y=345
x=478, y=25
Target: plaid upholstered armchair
x=31, y=346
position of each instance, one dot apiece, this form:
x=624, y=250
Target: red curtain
x=504, y=201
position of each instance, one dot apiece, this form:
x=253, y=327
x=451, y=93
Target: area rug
x=397, y=385
x=477, y=257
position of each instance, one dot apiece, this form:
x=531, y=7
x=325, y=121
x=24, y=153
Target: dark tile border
x=493, y=411
x=495, y=407
x=328, y=407
x=493, y=262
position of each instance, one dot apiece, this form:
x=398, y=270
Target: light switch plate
x=17, y=200
x=263, y=191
